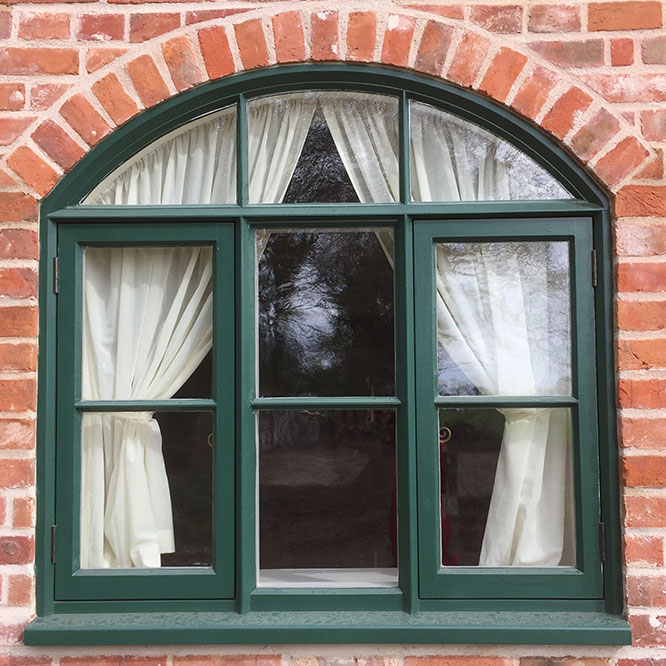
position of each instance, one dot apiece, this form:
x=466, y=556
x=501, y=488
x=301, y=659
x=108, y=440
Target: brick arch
x=467, y=52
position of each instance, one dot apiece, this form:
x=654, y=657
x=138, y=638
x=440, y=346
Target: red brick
x=57, y=144
x=622, y=52
x=498, y=18
x=180, y=56
x=21, y=590
x=148, y=82
x=23, y=512
x=643, y=433
x=18, y=244
x=12, y=634
x=653, y=125
x=641, y=662
x=5, y=24
x=3, y=521
x=645, y=511
x=44, y=26
x=146, y=26
x=361, y=36
x=17, y=395
x=554, y=18
x=566, y=111
x=33, y=169
x=647, y=590
x=16, y=550
x=641, y=315
x=251, y=43
x=502, y=72
x=208, y=14
x=534, y=92
x=647, y=393
x=398, y=40
x=44, y=95
x=84, y=119
x=448, y=11
x=17, y=433
x=16, y=472
x=640, y=240
x=229, y=660
x=586, y=53
x=650, y=277
x=288, y=37
x=101, y=27
x=12, y=128
x=38, y=60
x=654, y=168
x=644, y=551
x=18, y=282
x=214, y=45
x=6, y=180
x=564, y=661
x=12, y=96
x=324, y=35
x=596, y=133
x=468, y=58
x=118, y=104
x=619, y=162
x=124, y=660
x=645, y=471
x=648, y=630
x=97, y=58
x=21, y=357
x=654, y=51
x=623, y=15
x=433, y=48
x=459, y=661
x=641, y=201
x=637, y=87
x=17, y=207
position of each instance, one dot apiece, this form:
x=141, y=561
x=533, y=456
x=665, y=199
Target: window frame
x=583, y=620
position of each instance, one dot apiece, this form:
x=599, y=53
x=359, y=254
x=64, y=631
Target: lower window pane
x=146, y=489
x=506, y=487
x=327, y=498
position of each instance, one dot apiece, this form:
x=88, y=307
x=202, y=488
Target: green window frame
x=431, y=603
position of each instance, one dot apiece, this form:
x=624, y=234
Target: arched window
x=329, y=340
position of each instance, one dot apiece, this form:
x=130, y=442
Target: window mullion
x=242, y=151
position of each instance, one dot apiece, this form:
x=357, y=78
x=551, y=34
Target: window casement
x=329, y=361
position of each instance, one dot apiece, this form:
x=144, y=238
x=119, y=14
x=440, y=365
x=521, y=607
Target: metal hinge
x=56, y=275
x=594, y=268
x=602, y=542
x=54, y=529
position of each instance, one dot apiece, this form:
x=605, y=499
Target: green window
x=326, y=358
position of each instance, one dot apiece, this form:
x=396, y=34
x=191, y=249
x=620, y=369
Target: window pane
x=327, y=498
x=455, y=160
x=147, y=323
x=503, y=318
x=323, y=147
x=195, y=164
x=506, y=487
x=325, y=302
x=146, y=489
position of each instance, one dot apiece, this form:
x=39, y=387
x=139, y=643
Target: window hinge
x=594, y=268
x=54, y=529
x=56, y=275
x=602, y=542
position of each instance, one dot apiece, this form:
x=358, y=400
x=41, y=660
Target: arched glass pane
x=195, y=164
x=455, y=160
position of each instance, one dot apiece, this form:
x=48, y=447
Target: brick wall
x=591, y=74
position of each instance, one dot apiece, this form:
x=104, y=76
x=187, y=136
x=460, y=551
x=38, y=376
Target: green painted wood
x=179, y=404
x=326, y=402
x=462, y=401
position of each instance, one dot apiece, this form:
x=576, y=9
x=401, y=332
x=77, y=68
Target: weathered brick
x=17, y=472
x=114, y=98
x=17, y=207
x=130, y=660
x=12, y=96
x=594, y=135
x=654, y=51
x=17, y=433
x=448, y=11
x=398, y=40
x=641, y=201
x=564, y=661
x=97, y=58
x=18, y=244
x=44, y=95
x=468, y=59
x=642, y=511
x=502, y=73
x=101, y=27
x=6, y=180
x=146, y=26
x=361, y=36
x=643, y=433
x=180, y=56
x=44, y=26
x=201, y=15
x=654, y=168
x=622, y=160
x=38, y=60
x=534, y=91
x=640, y=240
x=584, y=53
x=648, y=630
x=433, y=48
x=57, y=144
x=644, y=471
x=17, y=395
x=251, y=43
x=11, y=128
x=84, y=119
x=498, y=18
x=3, y=521
x=16, y=549
x=147, y=81
x=288, y=37
x=623, y=15
x=644, y=551
x=18, y=282
x=459, y=660
x=649, y=277
x=637, y=87
x=554, y=18
x=566, y=111
x=653, y=124
x=20, y=357
x=23, y=512
x=5, y=24
x=622, y=52
x=228, y=660
x=324, y=35
x=20, y=590
x=33, y=170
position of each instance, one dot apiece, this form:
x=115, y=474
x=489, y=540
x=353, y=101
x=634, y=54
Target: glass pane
x=506, y=487
x=327, y=498
x=195, y=164
x=503, y=318
x=323, y=147
x=455, y=160
x=146, y=489
x=147, y=323
x=325, y=312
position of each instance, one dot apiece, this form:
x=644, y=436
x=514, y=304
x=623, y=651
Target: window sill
x=564, y=628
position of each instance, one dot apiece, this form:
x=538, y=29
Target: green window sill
x=564, y=628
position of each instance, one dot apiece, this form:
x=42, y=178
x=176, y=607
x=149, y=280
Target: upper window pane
x=195, y=164
x=455, y=160
x=323, y=147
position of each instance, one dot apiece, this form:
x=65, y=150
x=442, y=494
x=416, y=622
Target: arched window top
x=332, y=147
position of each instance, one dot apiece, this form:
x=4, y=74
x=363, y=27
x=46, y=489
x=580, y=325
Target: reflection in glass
x=195, y=164
x=323, y=146
x=327, y=499
x=506, y=487
x=503, y=318
x=325, y=312
x=133, y=512
x=455, y=160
